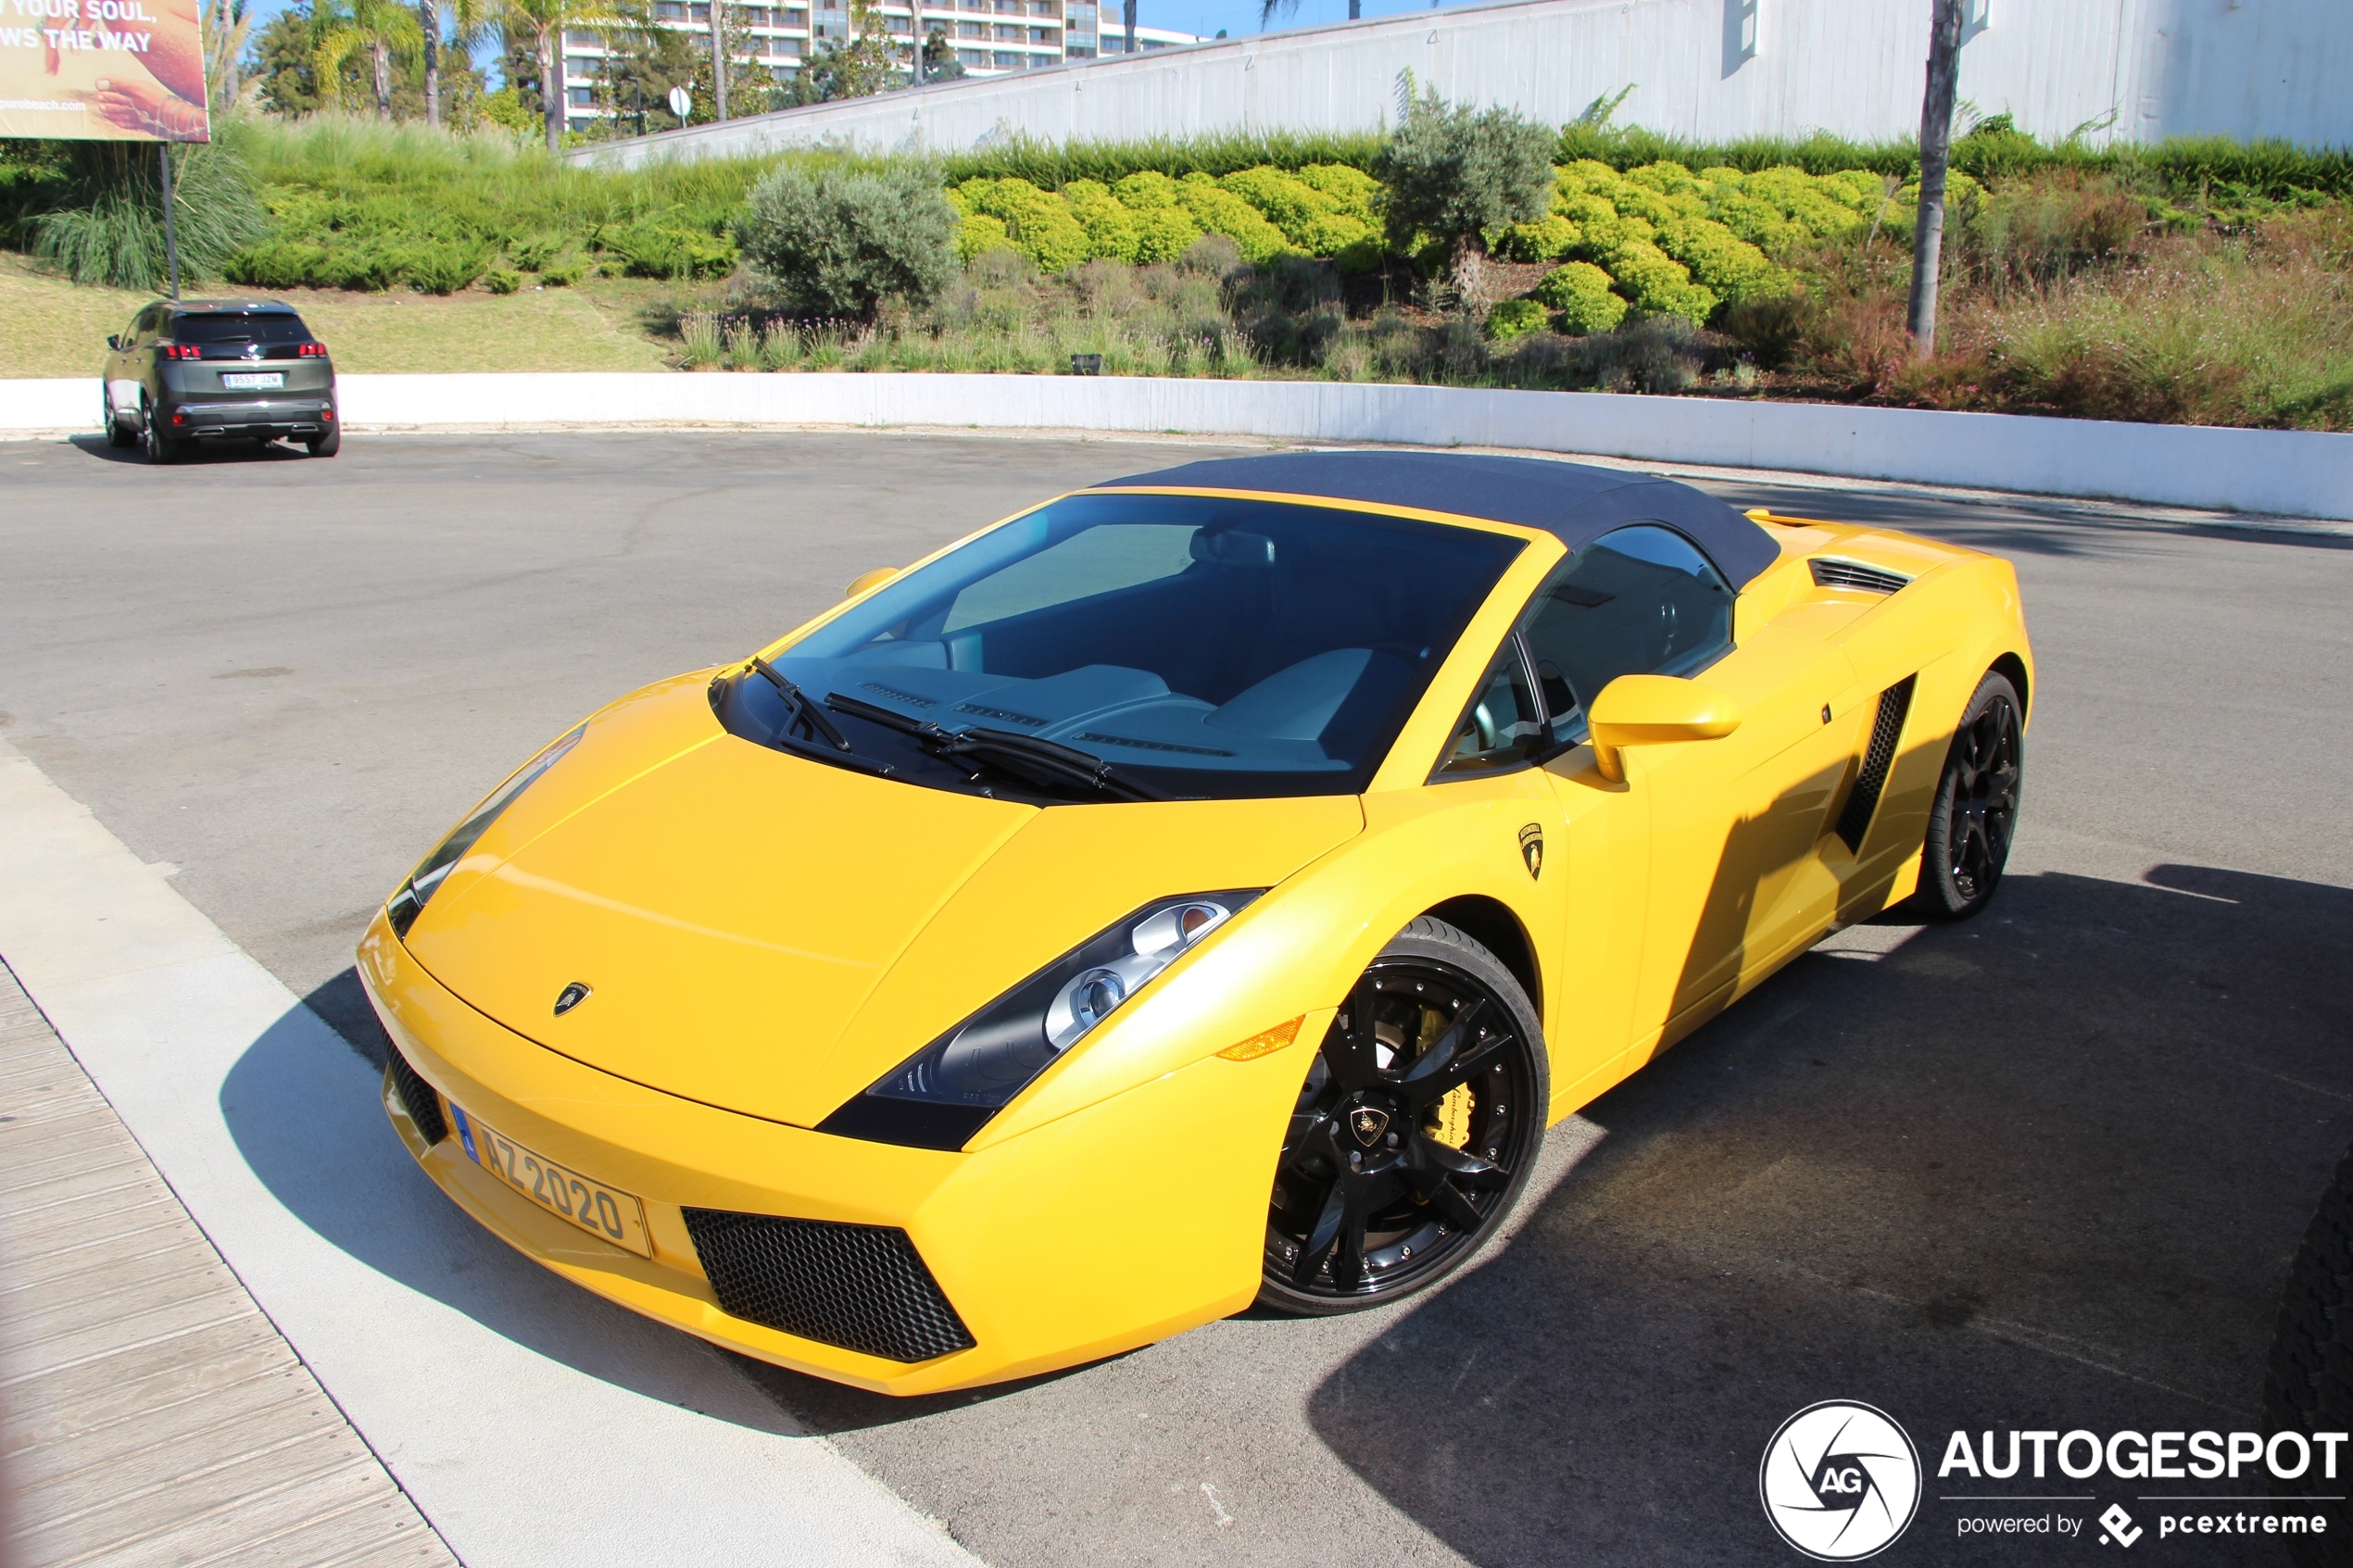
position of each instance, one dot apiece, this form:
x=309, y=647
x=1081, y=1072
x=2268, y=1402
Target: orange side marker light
x=1264, y=1044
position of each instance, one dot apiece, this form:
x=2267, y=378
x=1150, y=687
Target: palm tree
x=540, y=26
x=226, y=25
x=469, y=21
x=384, y=28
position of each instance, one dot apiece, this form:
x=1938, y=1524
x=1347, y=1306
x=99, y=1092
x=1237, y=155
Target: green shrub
x=655, y=248
x=1163, y=234
x=501, y=280
x=1515, y=319
x=1454, y=172
x=531, y=252
x=101, y=220
x=1548, y=239
x=445, y=267
x=278, y=264
x=1221, y=211
x=1040, y=222
x=563, y=274
x=1111, y=228
x=841, y=240
x=977, y=234
x=1581, y=292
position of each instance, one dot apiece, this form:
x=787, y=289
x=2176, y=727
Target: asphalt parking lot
x=2042, y=1171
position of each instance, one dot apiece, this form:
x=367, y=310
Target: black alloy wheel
x=1975, y=810
x=1415, y=1132
x=160, y=445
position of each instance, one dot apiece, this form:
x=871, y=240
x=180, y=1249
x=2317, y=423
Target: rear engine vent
x=1887, y=728
x=416, y=1098
x=1856, y=576
x=862, y=1287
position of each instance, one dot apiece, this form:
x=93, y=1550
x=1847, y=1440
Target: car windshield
x=240, y=326
x=1201, y=646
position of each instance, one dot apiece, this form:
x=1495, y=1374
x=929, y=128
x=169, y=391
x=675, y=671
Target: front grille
x=1887, y=728
x=862, y=1287
x=1854, y=575
x=416, y=1098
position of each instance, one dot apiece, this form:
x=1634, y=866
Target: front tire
x=1976, y=811
x=1414, y=1132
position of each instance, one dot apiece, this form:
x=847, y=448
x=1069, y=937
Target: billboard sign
x=118, y=70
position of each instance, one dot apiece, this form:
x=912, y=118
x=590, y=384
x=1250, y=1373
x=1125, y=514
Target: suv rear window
x=275, y=326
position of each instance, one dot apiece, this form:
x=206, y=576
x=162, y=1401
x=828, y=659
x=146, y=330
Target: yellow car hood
x=770, y=935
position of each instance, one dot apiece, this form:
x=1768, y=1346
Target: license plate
x=604, y=1213
x=258, y=381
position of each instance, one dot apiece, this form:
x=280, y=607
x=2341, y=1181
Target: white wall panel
x=2138, y=69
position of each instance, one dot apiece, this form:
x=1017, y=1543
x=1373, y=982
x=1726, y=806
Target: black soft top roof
x=1575, y=501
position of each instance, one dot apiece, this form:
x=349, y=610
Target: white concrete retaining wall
x=2291, y=472
x=2133, y=69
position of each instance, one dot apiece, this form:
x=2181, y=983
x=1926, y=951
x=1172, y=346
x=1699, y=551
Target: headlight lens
x=945, y=1093
x=409, y=902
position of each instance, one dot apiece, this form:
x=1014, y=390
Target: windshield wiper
x=802, y=713
x=1032, y=760
x=797, y=700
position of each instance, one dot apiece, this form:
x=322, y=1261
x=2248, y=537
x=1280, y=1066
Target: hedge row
x=1317, y=211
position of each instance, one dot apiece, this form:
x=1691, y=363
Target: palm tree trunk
x=551, y=85
x=384, y=79
x=430, y=14
x=1936, y=144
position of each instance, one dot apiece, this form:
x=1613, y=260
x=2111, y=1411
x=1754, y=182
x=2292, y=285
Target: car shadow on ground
x=2045, y=1170
x=310, y=1124
x=206, y=453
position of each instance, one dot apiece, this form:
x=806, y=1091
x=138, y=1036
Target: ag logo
x=1840, y=1481
x=1532, y=848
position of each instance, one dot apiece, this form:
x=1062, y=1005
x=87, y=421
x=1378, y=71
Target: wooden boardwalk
x=152, y=1415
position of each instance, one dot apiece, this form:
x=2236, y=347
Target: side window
x=1641, y=600
x=1502, y=725
x=144, y=323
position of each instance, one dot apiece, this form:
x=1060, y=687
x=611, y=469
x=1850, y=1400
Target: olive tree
x=1453, y=172
x=841, y=240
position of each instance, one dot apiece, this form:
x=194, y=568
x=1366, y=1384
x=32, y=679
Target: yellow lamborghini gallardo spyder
x=1200, y=889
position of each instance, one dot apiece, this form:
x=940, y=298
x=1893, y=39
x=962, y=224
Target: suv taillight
x=314, y=351
x=182, y=351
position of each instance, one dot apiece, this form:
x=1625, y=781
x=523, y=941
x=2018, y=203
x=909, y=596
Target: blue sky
x=1202, y=16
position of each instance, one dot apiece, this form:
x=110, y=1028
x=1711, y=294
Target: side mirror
x=874, y=578
x=114, y=342
x=1654, y=710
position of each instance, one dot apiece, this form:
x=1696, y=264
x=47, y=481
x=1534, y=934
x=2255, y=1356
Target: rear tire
x=1415, y=1132
x=2308, y=1386
x=1970, y=826
x=326, y=446
x=118, y=434
x=160, y=447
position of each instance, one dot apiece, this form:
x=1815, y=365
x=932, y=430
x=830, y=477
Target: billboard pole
x=170, y=231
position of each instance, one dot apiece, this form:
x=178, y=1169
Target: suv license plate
x=607, y=1213
x=260, y=381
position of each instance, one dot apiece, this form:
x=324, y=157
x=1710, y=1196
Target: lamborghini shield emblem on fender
x=1367, y=1124
x=570, y=997
x=1532, y=848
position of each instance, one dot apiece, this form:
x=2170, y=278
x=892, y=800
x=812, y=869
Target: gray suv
x=191, y=368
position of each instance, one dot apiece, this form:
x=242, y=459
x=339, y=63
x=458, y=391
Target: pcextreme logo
x=1840, y=1481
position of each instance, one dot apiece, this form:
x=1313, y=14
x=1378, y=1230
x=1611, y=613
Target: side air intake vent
x=862, y=1287
x=1854, y=575
x=416, y=1098
x=1887, y=728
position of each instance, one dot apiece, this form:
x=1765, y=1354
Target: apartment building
x=991, y=37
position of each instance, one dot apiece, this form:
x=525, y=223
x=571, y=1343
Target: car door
x=1719, y=833
x=122, y=368
x=1581, y=842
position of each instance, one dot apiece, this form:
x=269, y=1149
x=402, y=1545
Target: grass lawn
x=49, y=327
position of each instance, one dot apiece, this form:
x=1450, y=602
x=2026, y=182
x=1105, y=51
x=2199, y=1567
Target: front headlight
x=945, y=1093
x=409, y=903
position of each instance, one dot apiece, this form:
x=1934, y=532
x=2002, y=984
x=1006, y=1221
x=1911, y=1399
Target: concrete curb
x=2295, y=473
